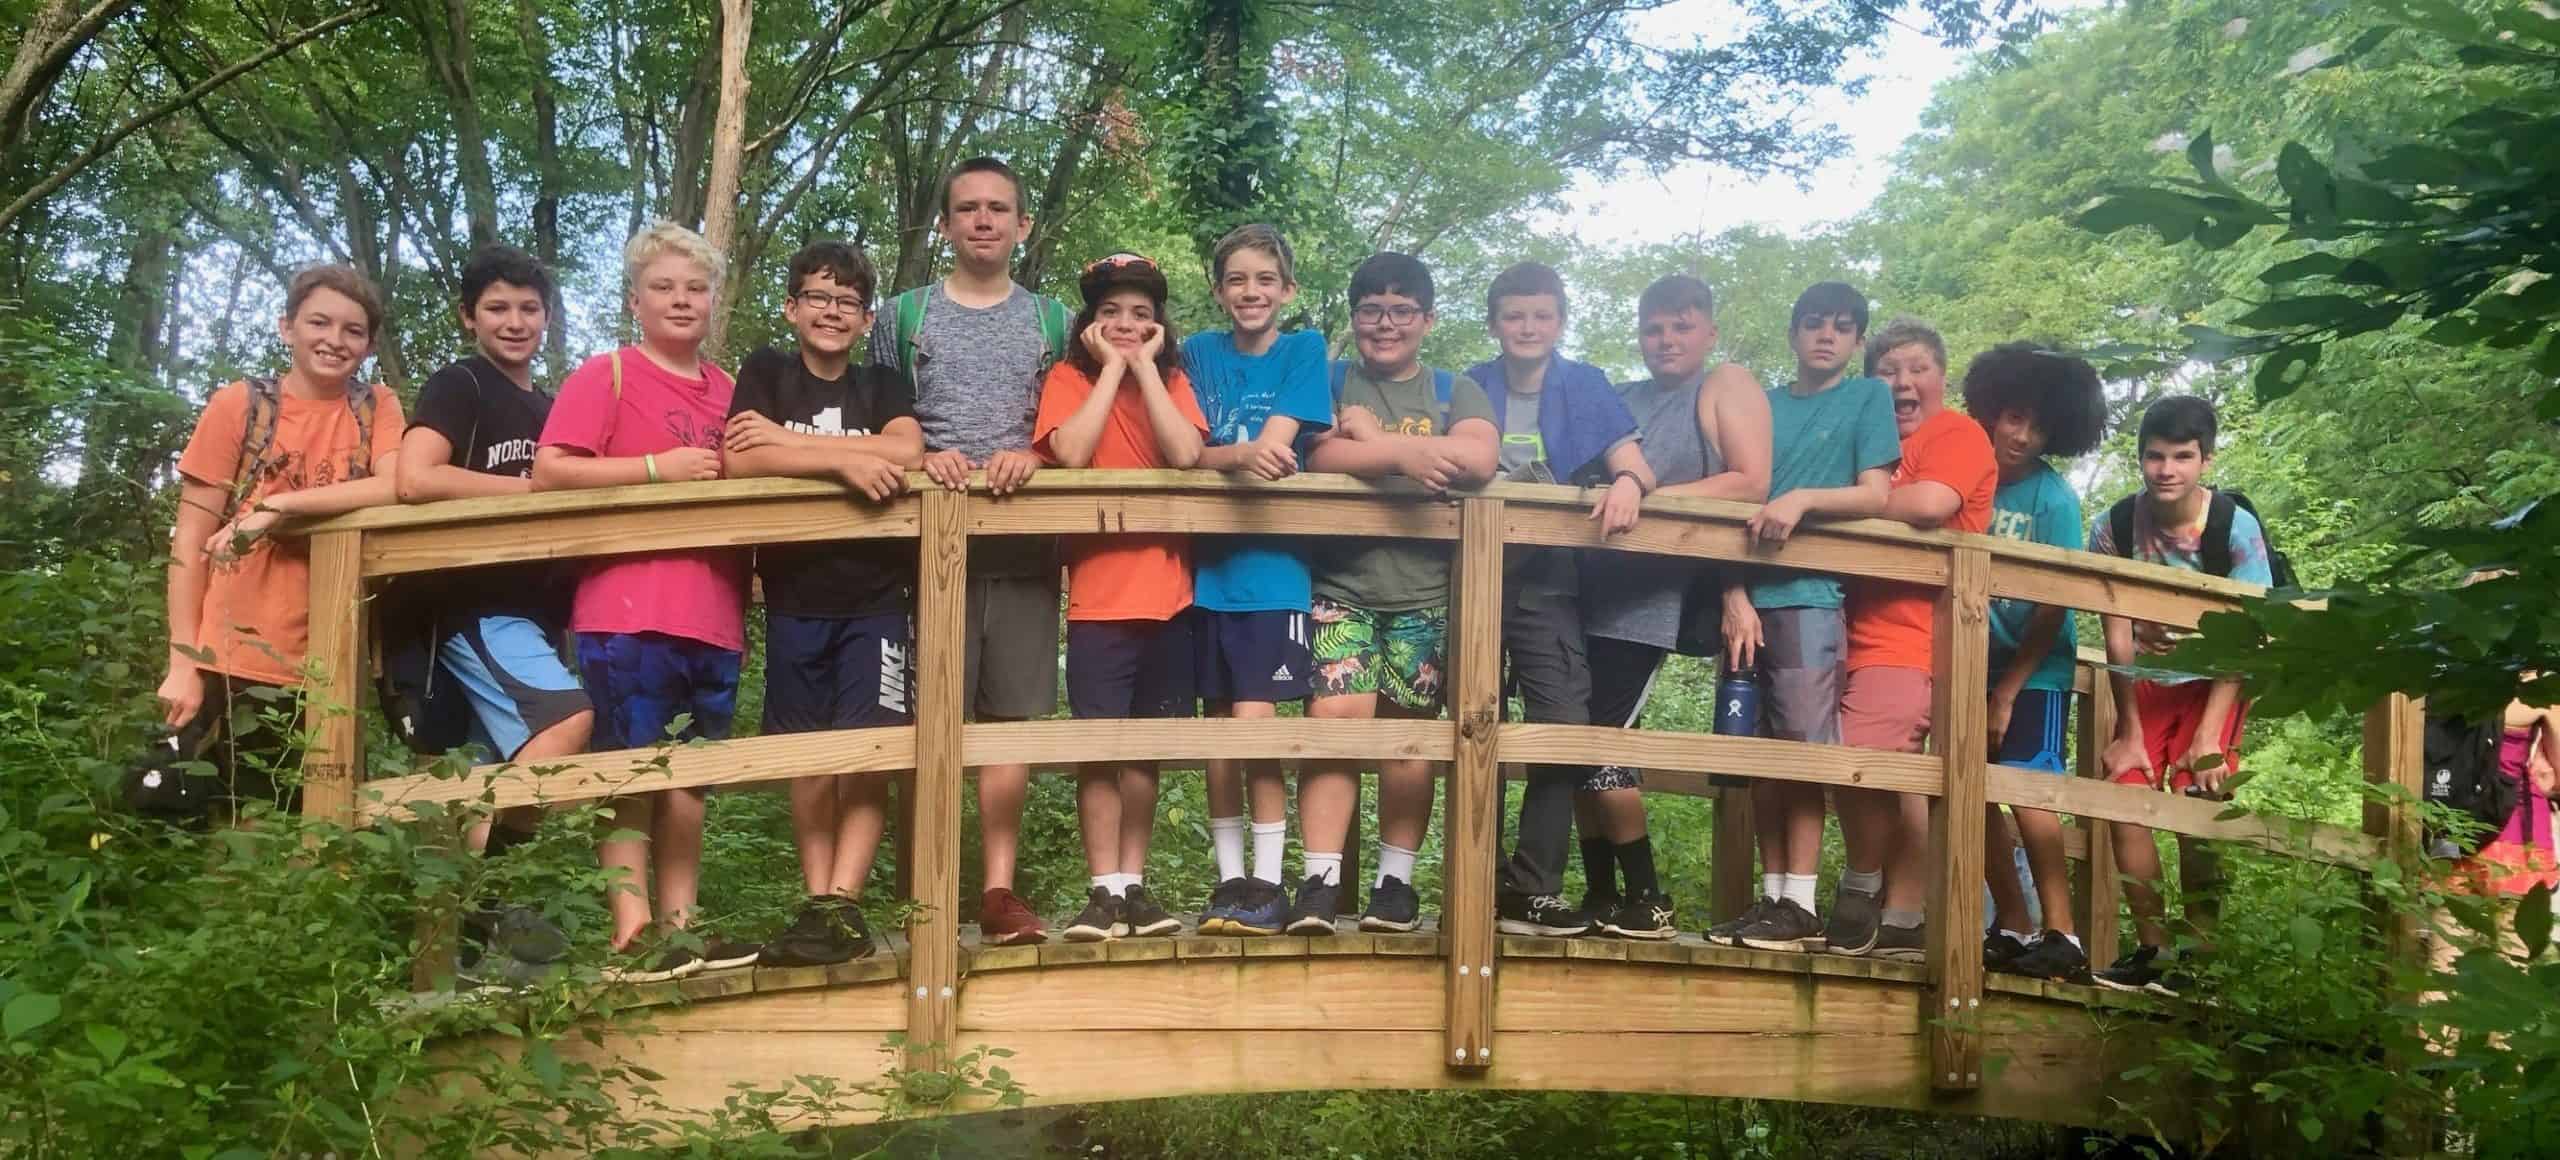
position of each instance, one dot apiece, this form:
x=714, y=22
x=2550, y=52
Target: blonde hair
x=666, y=239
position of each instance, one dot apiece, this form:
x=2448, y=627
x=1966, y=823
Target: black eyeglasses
x=820, y=300
x=1373, y=314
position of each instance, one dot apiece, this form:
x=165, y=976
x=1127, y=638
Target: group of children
x=974, y=373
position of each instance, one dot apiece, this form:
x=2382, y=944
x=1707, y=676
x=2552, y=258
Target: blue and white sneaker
x=1261, y=908
x=1215, y=917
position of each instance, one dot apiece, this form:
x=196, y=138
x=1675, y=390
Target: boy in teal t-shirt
x=2034, y=404
x=1834, y=444
x=1263, y=392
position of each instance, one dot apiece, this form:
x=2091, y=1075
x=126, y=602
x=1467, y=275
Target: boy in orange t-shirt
x=1946, y=480
x=1120, y=399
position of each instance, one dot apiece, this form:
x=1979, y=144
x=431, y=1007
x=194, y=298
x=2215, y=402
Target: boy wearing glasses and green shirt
x=837, y=638
x=1381, y=608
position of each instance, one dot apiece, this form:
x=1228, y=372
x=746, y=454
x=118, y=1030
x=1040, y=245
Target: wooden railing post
x=1475, y=782
x=333, y=703
x=933, y=842
x=1956, y=727
x=2395, y=756
x=1730, y=885
x=2099, y=893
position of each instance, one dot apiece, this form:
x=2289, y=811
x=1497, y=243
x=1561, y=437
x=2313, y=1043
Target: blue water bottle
x=1737, y=713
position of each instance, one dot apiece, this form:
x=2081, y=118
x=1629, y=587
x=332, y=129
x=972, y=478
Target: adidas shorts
x=1250, y=656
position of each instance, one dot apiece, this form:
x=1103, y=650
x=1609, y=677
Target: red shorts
x=2170, y=716
x=1885, y=707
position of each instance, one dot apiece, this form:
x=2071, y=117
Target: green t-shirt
x=1395, y=575
x=1823, y=440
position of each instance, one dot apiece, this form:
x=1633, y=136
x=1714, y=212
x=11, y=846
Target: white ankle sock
x=1110, y=882
x=1904, y=919
x=1118, y=884
x=1226, y=840
x=2023, y=939
x=1394, y=862
x=1326, y=868
x=1798, y=889
x=1773, y=886
x=1270, y=839
x=1862, y=881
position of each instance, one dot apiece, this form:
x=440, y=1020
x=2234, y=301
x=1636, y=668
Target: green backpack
x=907, y=314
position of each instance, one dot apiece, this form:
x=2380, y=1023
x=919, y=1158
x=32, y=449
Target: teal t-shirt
x=1823, y=440
x=2039, y=509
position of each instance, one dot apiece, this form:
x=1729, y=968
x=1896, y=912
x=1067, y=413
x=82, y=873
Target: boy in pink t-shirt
x=659, y=634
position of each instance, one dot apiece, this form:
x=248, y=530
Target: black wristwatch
x=1626, y=473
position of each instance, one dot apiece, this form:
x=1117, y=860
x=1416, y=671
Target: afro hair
x=2062, y=392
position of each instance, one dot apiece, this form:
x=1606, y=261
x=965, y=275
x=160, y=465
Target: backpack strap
x=2120, y=525
x=257, y=438
x=1341, y=372
x=360, y=401
x=1443, y=384
x=1054, y=321
x=906, y=312
x=2218, y=518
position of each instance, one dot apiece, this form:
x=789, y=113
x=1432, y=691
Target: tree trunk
x=446, y=37
x=546, y=173
x=45, y=47
x=728, y=149
x=133, y=342
x=694, y=123
x=1048, y=215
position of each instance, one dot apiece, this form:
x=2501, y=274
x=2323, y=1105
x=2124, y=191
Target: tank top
x=1633, y=596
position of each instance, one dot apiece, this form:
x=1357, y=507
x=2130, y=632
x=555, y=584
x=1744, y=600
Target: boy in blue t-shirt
x=1261, y=391
x=2033, y=404
x=1834, y=445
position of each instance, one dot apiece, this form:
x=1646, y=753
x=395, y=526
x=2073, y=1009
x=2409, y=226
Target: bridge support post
x=1730, y=885
x=333, y=704
x=933, y=841
x=1474, y=825
x=2395, y=756
x=1957, y=723
x=2097, y=889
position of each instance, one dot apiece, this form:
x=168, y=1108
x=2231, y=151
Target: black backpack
x=2218, y=519
x=2462, y=775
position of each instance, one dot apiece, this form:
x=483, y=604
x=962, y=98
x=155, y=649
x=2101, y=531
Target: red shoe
x=1004, y=921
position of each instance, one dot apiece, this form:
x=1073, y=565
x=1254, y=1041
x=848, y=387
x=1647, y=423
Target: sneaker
x=515, y=932
x=1784, y=925
x=1262, y=908
x=723, y=953
x=1221, y=908
x=1723, y=932
x=1646, y=916
x=1099, y=920
x=1394, y=908
x=1538, y=914
x=1004, y=921
x=653, y=956
x=1902, y=944
x=1145, y=919
x=1600, y=904
x=2136, y=971
x=2052, y=956
x=827, y=930
x=2177, y=975
x=1318, y=901
x=2001, y=952
x=1856, y=916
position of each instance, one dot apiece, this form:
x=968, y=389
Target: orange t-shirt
x=1120, y=577
x=1894, y=624
x=257, y=612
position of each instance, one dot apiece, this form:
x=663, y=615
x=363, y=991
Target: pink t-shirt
x=699, y=595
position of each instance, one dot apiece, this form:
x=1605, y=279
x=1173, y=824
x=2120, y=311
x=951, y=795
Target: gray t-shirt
x=1523, y=447
x=1633, y=596
x=977, y=381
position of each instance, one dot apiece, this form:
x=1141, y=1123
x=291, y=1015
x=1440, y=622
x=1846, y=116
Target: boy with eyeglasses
x=837, y=635
x=1381, y=607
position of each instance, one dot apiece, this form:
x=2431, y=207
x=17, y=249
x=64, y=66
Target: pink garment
x=697, y=595
x=2531, y=823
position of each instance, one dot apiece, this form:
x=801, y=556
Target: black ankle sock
x=503, y=839
x=1599, y=865
x=1636, y=858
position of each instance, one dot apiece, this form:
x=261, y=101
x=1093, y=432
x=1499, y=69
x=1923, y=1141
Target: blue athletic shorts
x=642, y=681
x=511, y=671
x=1250, y=656
x=836, y=672
x=1129, y=668
x=2039, y=735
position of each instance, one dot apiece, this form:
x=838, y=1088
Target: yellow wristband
x=651, y=463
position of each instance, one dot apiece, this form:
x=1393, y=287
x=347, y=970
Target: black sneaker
x=1313, y=912
x=2136, y=971
x=1221, y=907
x=1855, y=918
x=1538, y=914
x=655, y=955
x=1600, y=904
x=2177, y=975
x=1723, y=932
x=1784, y=925
x=1099, y=920
x=1261, y=908
x=2001, y=952
x=827, y=930
x=2052, y=956
x=723, y=953
x=1145, y=919
x=1646, y=916
x=515, y=932
x=1394, y=908
x=1902, y=944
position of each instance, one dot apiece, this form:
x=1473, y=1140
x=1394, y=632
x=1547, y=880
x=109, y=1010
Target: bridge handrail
x=1966, y=570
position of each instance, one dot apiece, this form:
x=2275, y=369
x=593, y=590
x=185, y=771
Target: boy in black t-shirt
x=496, y=631
x=836, y=614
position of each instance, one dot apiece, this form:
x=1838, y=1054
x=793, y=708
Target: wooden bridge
x=1453, y=1006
